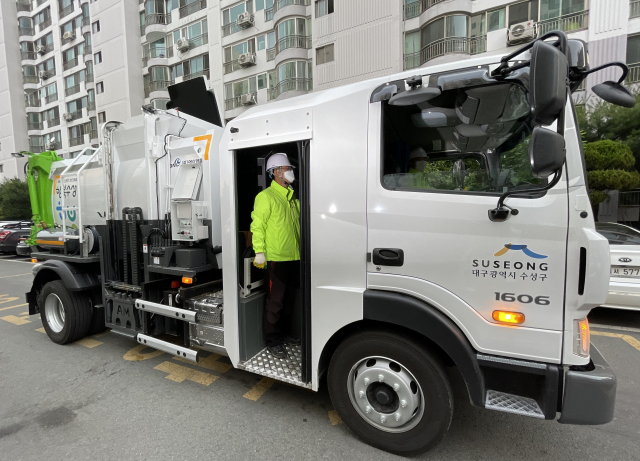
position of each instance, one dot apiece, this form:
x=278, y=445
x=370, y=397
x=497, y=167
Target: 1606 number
x=524, y=299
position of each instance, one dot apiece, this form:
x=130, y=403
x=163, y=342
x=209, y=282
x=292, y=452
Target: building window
x=523, y=12
x=324, y=54
x=102, y=117
x=97, y=57
x=261, y=42
x=496, y=20
x=99, y=87
x=262, y=81
x=95, y=27
x=324, y=7
x=259, y=5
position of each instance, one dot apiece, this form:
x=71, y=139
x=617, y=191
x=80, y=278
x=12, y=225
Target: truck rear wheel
x=391, y=392
x=66, y=316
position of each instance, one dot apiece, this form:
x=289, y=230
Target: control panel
x=187, y=221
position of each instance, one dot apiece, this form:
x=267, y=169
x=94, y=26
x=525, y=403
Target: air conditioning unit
x=51, y=145
x=521, y=33
x=69, y=35
x=68, y=117
x=247, y=59
x=248, y=99
x=245, y=20
x=40, y=49
x=43, y=74
x=182, y=44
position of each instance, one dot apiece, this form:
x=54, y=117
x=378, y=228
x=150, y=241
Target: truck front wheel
x=391, y=392
x=66, y=316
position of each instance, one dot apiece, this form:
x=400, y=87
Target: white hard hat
x=418, y=153
x=278, y=160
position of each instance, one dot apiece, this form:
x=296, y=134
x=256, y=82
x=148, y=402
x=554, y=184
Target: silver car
x=624, y=282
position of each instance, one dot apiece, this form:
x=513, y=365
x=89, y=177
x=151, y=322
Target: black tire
x=429, y=374
x=77, y=313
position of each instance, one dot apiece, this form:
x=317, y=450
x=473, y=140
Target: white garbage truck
x=445, y=224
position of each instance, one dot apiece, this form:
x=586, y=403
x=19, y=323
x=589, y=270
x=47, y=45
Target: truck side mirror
x=546, y=152
x=615, y=93
x=549, y=70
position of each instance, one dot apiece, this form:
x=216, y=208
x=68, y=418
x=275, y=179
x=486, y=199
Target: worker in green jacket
x=275, y=227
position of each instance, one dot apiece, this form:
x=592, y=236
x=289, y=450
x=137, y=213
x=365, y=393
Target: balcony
x=66, y=11
x=70, y=64
x=411, y=60
x=51, y=98
x=291, y=84
x=634, y=73
x=31, y=102
x=88, y=77
x=87, y=50
x=159, y=85
x=24, y=5
x=413, y=9
x=634, y=9
x=279, y=4
x=91, y=106
x=64, y=41
x=26, y=31
x=154, y=26
x=30, y=79
x=195, y=42
x=75, y=115
x=567, y=23
x=44, y=24
x=233, y=27
x=76, y=141
x=36, y=149
x=452, y=45
x=157, y=53
x=232, y=66
x=93, y=134
x=147, y=92
x=53, y=122
x=86, y=21
x=30, y=55
x=234, y=103
x=192, y=8
x=47, y=48
x=271, y=54
x=72, y=90
x=193, y=75
x=157, y=18
x=293, y=41
x=35, y=126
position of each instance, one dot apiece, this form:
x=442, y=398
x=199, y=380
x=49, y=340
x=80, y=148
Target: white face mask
x=421, y=166
x=289, y=176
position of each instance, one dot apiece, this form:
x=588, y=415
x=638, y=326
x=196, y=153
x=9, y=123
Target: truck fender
x=71, y=276
x=414, y=314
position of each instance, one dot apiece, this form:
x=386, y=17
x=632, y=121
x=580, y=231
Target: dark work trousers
x=283, y=278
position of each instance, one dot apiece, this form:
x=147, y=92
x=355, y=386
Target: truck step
x=167, y=311
x=288, y=370
x=509, y=403
x=168, y=347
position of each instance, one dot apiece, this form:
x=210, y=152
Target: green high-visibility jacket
x=276, y=224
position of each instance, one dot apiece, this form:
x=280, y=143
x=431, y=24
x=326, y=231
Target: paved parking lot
x=105, y=398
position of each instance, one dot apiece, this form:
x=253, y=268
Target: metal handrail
x=444, y=46
x=192, y=8
x=66, y=11
x=232, y=28
x=76, y=141
x=271, y=54
x=279, y=4
x=412, y=9
x=29, y=102
x=201, y=73
x=51, y=98
x=411, y=60
x=634, y=73
x=91, y=106
x=87, y=50
x=233, y=103
x=88, y=77
x=200, y=40
x=70, y=64
x=75, y=115
x=44, y=24
x=568, y=23
x=26, y=31
x=268, y=14
x=30, y=79
x=53, y=122
x=426, y=4
x=157, y=18
x=159, y=85
x=30, y=55
x=634, y=9
x=72, y=90
x=293, y=41
x=86, y=20
x=290, y=84
x=23, y=5
x=35, y=126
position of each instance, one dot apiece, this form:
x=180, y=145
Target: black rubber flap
x=193, y=98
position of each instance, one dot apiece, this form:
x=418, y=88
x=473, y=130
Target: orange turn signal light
x=187, y=280
x=508, y=317
x=34, y=260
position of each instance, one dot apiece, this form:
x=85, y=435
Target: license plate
x=625, y=271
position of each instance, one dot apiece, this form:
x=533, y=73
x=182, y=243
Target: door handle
x=388, y=257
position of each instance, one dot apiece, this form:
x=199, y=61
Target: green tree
x=14, y=200
x=609, y=167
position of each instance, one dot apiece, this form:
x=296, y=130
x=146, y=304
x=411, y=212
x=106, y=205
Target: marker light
x=34, y=260
x=508, y=317
x=175, y=284
x=187, y=280
x=581, y=337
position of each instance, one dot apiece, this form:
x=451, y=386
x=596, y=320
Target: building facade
x=68, y=65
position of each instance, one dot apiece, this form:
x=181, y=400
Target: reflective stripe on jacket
x=276, y=224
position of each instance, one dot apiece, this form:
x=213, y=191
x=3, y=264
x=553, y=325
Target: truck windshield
x=472, y=140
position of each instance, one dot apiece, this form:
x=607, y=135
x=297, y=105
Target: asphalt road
x=104, y=398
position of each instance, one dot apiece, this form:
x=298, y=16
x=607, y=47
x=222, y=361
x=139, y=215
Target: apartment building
x=97, y=60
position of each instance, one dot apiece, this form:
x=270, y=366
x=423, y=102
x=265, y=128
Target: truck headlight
x=581, y=337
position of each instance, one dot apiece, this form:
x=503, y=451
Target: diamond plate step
x=288, y=370
x=509, y=403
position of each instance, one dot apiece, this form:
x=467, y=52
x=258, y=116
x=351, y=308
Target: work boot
x=278, y=351
x=292, y=341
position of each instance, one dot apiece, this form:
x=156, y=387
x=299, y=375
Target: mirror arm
x=501, y=212
x=503, y=69
x=621, y=65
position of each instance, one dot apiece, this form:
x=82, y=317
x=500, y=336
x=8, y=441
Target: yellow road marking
x=41, y=330
x=88, y=342
x=334, y=418
x=135, y=354
x=8, y=300
x=633, y=342
x=256, y=391
x=21, y=320
x=210, y=363
x=11, y=307
x=178, y=373
x=16, y=275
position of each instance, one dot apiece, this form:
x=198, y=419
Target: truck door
x=435, y=170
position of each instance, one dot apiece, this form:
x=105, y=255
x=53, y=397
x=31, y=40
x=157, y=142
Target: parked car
x=23, y=249
x=624, y=282
x=11, y=234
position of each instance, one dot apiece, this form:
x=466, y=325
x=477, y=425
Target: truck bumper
x=589, y=396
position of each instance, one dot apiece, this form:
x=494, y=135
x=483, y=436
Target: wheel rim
x=385, y=394
x=54, y=312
